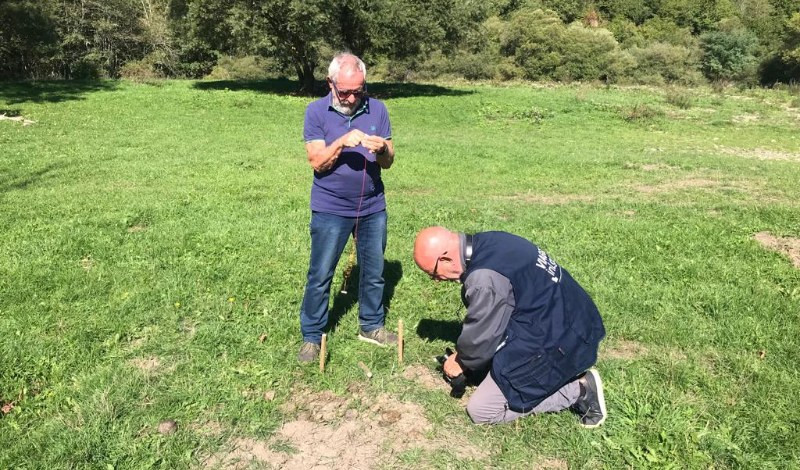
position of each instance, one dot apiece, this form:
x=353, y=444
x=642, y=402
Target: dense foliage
x=635, y=41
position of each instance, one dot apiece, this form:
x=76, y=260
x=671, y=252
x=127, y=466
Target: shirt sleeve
x=490, y=301
x=385, y=130
x=312, y=126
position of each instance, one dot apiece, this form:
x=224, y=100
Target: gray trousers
x=488, y=405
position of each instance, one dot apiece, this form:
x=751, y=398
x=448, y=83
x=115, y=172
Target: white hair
x=343, y=58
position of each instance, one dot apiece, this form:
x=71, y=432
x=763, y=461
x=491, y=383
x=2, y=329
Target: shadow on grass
x=284, y=86
x=51, y=91
x=445, y=330
x=15, y=183
x=342, y=302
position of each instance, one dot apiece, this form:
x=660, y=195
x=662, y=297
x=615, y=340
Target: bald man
x=527, y=321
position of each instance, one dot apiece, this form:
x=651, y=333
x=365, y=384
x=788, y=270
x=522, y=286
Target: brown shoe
x=308, y=352
x=381, y=337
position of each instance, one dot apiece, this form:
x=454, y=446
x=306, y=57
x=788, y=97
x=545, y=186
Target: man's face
x=348, y=90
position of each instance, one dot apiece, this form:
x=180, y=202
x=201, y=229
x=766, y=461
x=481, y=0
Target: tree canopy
x=643, y=41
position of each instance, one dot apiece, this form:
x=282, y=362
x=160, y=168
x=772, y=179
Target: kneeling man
x=527, y=321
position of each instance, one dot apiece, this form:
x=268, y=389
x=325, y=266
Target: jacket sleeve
x=489, y=298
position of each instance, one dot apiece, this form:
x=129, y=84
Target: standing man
x=528, y=322
x=348, y=142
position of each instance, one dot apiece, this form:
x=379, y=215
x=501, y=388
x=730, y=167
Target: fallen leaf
x=6, y=409
x=262, y=337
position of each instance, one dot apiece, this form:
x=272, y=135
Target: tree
x=729, y=55
x=27, y=39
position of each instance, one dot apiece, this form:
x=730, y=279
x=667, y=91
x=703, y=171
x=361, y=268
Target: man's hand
x=451, y=366
x=374, y=143
x=352, y=138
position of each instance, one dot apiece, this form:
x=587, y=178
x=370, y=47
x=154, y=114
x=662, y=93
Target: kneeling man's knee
x=479, y=414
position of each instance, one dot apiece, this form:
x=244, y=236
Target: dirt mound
x=787, y=246
x=332, y=431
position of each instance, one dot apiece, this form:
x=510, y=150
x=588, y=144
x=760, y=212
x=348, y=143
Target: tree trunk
x=305, y=74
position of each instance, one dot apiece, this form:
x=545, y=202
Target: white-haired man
x=348, y=142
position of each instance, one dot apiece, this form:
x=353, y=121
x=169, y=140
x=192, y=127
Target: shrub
x=640, y=112
x=88, y=67
x=730, y=55
x=532, y=38
x=679, y=98
x=666, y=63
x=543, y=47
x=243, y=68
x=586, y=53
x=665, y=31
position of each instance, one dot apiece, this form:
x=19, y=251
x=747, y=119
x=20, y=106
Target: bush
x=586, y=54
x=663, y=30
x=679, y=98
x=88, y=67
x=666, y=63
x=532, y=38
x=640, y=112
x=243, y=68
x=138, y=70
x=730, y=55
x=543, y=47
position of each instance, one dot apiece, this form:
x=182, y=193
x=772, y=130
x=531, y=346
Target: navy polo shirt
x=355, y=178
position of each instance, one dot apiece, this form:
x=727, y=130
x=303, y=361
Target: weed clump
x=679, y=98
x=640, y=112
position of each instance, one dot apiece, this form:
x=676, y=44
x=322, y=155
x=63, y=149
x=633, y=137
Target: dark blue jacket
x=555, y=328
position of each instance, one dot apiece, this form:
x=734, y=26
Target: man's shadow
x=445, y=330
x=346, y=295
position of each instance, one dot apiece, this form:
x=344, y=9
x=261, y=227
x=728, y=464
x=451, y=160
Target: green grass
x=169, y=222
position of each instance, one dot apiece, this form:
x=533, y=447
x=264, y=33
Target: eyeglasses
x=343, y=94
x=434, y=275
x=435, y=267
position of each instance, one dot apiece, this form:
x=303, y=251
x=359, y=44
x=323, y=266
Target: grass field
x=154, y=243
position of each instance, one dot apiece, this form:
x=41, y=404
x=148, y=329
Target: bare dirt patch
x=787, y=246
x=425, y=377
x=657, y=167
x=671, y=186
x=549, y=200
x=623, y=349
x=137, y=228
x=208, y=428
x=551, y=464
x=746, y=118
x=150, y=366
x=24, y=121
x=331, y=431
x=87, y=263
x=758, y=153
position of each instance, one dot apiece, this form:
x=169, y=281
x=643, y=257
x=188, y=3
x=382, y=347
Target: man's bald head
x=437, y=251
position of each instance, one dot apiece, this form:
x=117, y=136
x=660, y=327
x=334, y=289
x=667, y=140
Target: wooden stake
x=323, y=350
x=400, y=341
x=366, y=370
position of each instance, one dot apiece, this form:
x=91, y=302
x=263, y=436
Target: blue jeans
x=329, y=235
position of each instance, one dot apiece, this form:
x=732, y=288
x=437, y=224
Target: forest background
x=653, y=42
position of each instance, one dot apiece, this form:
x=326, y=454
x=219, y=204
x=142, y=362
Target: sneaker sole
x=600, y=397
x=372, y=341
